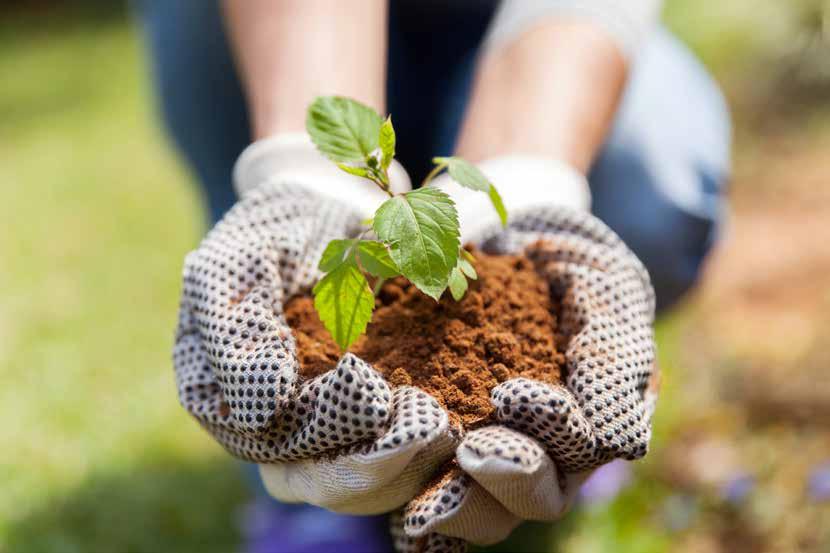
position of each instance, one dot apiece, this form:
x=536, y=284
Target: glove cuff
x=524, y=182
x=292, y=157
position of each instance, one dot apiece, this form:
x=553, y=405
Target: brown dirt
x=457, y=351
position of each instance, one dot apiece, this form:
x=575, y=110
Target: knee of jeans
x=671, y=241
x=675, y=261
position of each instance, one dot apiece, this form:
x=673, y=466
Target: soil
x=504, y=327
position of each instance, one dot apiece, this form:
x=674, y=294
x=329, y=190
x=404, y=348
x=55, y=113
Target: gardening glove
x=291, y=157
x=344, y=440
x=547, y=438
x=523, y=181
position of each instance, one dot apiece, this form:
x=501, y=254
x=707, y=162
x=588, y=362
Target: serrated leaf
x=375, y=259
x=344, y=303
x=495, y=199
x=467, y=268
x=333, y=254
x=343, y=129
x=386, y=140
x=457, y=284
x=421, y=229
x=356, y=171
x=468, y=175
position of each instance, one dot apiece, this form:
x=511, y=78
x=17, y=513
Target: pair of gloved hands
x=349, y=442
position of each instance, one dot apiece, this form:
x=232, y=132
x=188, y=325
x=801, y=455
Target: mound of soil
x=505, y=326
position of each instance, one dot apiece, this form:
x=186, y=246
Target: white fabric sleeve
x=292, y=157
x=627, y=21
x=524, y=182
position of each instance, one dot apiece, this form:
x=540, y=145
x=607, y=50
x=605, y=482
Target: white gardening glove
x=292, y=157
x=344, y=440
x=523, y=181
x=547, y=439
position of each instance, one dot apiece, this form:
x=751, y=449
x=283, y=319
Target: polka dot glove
x=545, y=440
x=348, y=441
x=344, y=440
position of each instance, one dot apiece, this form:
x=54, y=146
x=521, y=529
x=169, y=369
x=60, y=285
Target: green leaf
x=458, y=284
x=468, y=175
x=344, y=302
x=386, y=140
x=421, y=229
x=495, y=199
x=467, y=255
x=342, y=129
x=333, y=254
x=375, y=259
x=464, y=173
x=356, y=171
x=467, y=268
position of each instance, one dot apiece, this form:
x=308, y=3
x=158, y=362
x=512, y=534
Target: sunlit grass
x=96, y=218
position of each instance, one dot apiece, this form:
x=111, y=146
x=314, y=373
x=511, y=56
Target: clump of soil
x=504, y=327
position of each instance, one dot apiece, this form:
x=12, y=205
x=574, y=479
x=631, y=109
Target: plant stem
x=432, y=174
x=378, y=286
x=381, y=186
x=385, y=177
x=381, y=180
x=388, y=192
x=356, y=250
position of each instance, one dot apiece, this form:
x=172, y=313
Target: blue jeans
x=658, y=181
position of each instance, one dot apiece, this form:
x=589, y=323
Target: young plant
x=417, y=233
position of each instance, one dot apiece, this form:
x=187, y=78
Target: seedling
x=417, y=233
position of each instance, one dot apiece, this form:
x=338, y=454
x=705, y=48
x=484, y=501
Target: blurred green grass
x=97, y=454
x=97, y=216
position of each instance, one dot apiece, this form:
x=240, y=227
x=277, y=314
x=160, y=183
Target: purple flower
x=737, y=488
x=818, y=485
x=606, y=482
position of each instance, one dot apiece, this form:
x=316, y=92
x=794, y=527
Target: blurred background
x=96, y=454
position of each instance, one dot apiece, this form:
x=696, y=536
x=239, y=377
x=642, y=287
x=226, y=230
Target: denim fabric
x=658, y=181
x=199, y=95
